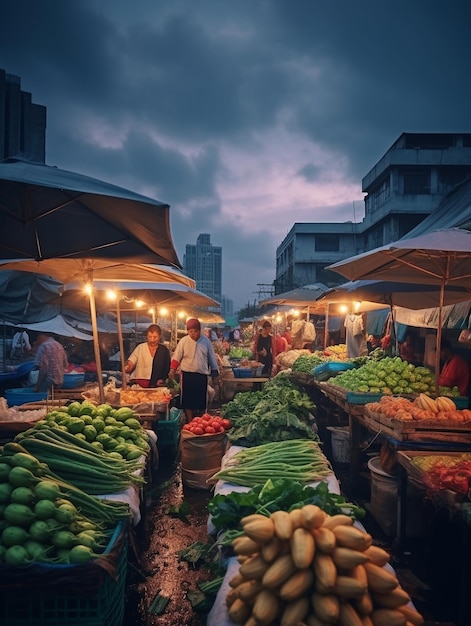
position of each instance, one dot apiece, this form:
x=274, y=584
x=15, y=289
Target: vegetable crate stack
x=63, y=548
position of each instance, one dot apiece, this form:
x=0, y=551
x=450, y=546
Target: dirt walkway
x=159, y=537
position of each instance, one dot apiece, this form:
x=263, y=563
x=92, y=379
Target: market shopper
x=280, y=343
x=149, y=362
x=51, y=362
x=265, y=348
x=195, y=357
x=455, y=370
x=407, y=350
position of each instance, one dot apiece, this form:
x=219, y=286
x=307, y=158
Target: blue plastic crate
x=330, y=369
x=22, y=395
x=242, y=372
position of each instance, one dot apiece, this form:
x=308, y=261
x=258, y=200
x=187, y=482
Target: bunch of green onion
x=299, y=460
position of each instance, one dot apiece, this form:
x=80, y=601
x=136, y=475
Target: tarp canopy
x=454, y=211
x=23, y=296
x=57, y=326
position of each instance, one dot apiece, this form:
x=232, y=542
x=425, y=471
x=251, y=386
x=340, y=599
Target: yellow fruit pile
x=422, y=408
x=306, y=567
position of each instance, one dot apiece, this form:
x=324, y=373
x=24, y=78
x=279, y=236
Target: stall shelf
x=458, y=528
x=355, y=405
x=445, y=430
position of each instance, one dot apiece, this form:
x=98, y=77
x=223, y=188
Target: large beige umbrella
x=440, y=258
x=85, y=271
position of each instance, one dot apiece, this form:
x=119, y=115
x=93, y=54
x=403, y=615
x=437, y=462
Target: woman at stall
x=149, y=362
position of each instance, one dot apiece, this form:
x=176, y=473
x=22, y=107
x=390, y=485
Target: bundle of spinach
x=277, y=413
x=272, y=423
x=278, y=494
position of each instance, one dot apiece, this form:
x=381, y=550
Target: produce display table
x=430, y=433
x=218, y=616
x=223, y=487
x=457, y=514
x=255, y=383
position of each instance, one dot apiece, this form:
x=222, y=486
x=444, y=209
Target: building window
x=449, y=178
x=327, y=243
x=417, y=182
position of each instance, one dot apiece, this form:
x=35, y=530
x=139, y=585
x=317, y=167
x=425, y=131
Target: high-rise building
x=203, y=263
x=22, y=123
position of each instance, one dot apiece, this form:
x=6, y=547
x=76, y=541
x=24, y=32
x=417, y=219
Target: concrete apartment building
x=406, y=185
x=22, y=123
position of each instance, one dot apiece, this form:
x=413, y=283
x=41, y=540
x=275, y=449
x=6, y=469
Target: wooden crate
x=440, y=496
x=418, y=430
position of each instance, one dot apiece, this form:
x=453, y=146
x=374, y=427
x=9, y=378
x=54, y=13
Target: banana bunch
x=437, y=405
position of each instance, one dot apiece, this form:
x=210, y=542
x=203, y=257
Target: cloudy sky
x=246, y=116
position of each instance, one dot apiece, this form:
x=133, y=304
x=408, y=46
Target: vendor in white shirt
x=149, y=362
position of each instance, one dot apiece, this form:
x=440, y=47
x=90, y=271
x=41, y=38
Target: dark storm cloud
x=245, y=117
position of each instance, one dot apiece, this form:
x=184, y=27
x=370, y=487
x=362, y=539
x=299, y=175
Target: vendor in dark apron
x=264, y=348
x=195, y=357
x=149, y=362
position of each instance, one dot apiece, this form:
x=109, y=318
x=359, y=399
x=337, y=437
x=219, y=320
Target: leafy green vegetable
x=199, y=551
x=181, y=511
x=278, y=494
x=278, y=413
x=275, y=425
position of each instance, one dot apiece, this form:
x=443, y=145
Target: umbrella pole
x=326, y=325
x=96, y=345
x=439, y=337
x=121, y=344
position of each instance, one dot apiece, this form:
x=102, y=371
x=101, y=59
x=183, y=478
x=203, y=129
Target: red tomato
x=186, y=427
x=209, y=429
x=206, y=416
x=226, y=424
x=198, y=430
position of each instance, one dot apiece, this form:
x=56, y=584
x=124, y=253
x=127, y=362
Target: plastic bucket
x=383, y=502
x=383, y=497
x=340, y=443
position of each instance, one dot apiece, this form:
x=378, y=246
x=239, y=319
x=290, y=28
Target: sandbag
x=202, y=452
x=198, y=479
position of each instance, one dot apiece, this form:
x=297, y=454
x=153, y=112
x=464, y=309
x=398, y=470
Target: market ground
x=155, y=567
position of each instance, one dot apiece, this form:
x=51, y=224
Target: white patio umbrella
x=440, y=257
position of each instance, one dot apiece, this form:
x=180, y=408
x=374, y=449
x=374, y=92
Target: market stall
x=233, y=479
